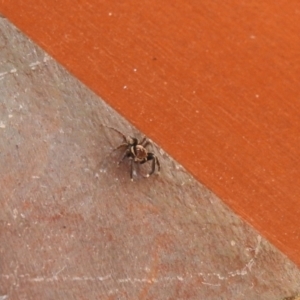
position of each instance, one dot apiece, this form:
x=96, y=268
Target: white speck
x=38, y=279
x=232, y=243
x=212, y=284
x=22, y=216
x=110, y=14
x=15, y=213
x=125, y=87
x=10, y=116
x=46, y=58
x=35, y=177
x=103, y=277
x=34, y=65
x=2, y=125
x=257, y=96
x=162, y=152
x=197, y=111
x=134, y=70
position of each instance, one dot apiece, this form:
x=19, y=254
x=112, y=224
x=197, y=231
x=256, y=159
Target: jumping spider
x=137, y=153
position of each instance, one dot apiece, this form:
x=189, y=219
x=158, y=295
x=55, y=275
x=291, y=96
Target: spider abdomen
x=140, y=153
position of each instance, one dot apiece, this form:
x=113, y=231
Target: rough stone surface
x=73, y=225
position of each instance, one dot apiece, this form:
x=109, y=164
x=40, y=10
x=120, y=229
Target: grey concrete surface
x=73, y=225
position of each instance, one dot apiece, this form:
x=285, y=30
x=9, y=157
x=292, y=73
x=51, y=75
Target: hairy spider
x=137, y=153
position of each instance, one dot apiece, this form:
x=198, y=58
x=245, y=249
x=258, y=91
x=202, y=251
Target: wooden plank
x=216, y=84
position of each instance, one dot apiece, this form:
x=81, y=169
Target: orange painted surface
x=216, y=84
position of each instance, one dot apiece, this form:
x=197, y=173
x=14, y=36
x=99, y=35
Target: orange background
x=214, y=83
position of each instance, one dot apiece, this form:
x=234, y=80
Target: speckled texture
x=73, y=225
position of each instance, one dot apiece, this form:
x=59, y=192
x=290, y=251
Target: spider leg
x=126, y=154
x=153, y=168
x=158, y=164
x=131, y=170
x=145, y=142
x=119, y=147
x=116, y=130
x=155, y=162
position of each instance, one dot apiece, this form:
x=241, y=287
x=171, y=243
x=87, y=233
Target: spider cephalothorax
x=137, y=152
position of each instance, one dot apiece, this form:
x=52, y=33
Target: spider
x=137, y=153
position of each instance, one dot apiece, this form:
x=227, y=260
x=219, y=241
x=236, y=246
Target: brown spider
x=137, y=153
